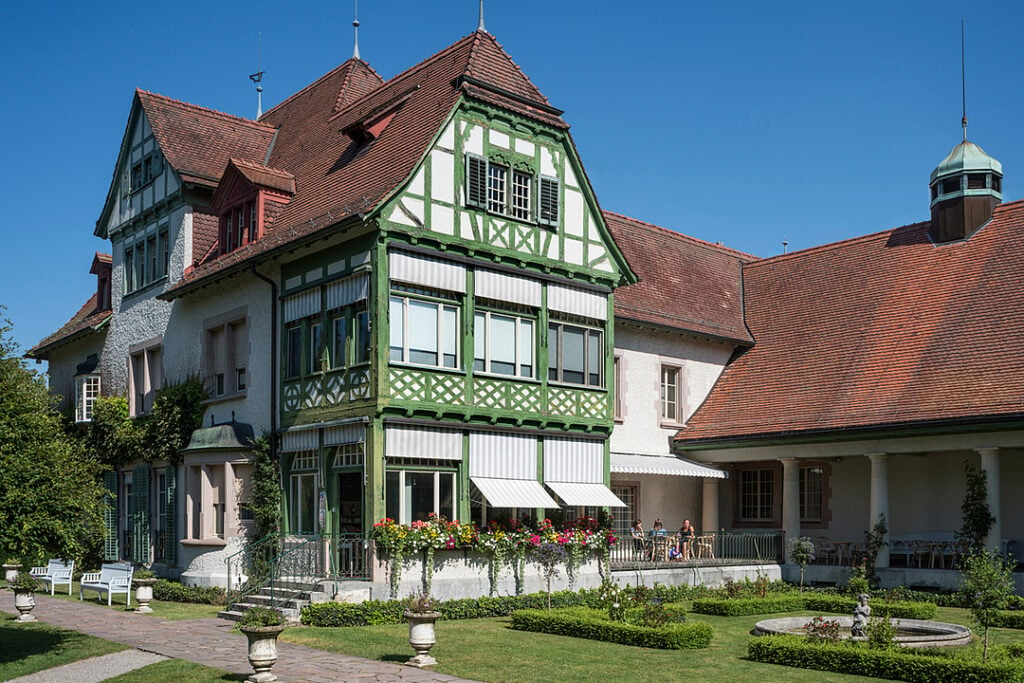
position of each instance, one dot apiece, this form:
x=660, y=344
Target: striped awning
x=597, y=495
x=514, y=493
x=634, y=463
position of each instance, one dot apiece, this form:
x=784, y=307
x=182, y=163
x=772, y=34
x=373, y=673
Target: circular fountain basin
x=909, y=632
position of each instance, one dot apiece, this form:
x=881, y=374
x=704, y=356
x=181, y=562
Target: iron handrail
x=238, y=581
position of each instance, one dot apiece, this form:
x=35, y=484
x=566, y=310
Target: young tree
x=987, y=587
x=51, y=501
x=978, y=519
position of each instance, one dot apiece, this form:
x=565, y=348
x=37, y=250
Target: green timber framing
x=320, y=391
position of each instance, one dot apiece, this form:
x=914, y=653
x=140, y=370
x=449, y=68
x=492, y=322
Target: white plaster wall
x=63, y=363
x=204, y=565
x=183, y=343
x=672, y=499
x=642, y=352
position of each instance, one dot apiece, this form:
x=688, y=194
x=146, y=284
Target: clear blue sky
x=741, y=122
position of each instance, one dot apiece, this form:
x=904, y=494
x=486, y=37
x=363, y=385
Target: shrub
x=23, y=581
x=726, y=607
x=895, y=664
x=820, y=629
x=1008, y=619
x=581, y=622
x=172, y=591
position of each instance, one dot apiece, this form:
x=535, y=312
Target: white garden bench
x=55, y=572
x=113, y=578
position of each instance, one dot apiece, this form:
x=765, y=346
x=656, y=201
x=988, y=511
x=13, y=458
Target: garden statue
x=861, y=614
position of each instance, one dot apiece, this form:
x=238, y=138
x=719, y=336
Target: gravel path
x=94, y=669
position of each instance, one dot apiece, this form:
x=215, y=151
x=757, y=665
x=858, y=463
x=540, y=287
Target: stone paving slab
x=212, y=642
x=94, y=669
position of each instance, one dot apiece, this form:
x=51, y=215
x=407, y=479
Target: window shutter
x=110, y=517
x=476, y=182
x=170, y=533
x=139, y=514
x=548, y=201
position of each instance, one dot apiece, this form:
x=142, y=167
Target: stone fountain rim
x=945, y=634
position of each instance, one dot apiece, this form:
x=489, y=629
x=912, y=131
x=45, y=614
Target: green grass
x=165, y=610
x=489, y=650
x=179, y=671
x=33, y=646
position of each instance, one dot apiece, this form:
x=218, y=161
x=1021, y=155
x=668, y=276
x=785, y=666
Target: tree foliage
x=987, y=587
x=50, y=498
x=978, y=519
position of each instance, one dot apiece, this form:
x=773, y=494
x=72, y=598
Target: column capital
x=788, y=460
x=991, y=452
x=877, y=457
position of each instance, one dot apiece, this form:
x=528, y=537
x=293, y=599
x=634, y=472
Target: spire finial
x=257, y=77
x=355, y=30
x=480, y=24
x=963, y=80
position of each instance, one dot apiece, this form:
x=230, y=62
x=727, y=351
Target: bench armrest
x=91, y=578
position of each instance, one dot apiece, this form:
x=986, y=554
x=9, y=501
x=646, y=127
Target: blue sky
x=746, y=123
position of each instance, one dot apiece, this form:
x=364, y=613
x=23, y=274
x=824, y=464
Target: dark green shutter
x=139, y=514
x=110, y=517
x=170, y=533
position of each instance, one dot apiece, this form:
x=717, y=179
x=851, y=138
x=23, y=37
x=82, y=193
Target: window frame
x=496, y=186
x=676, y=403
x=441, y=305
x=404, y=514
x=765, y=475
x=556, y=363
x=233, y=379
x=145, y=363
x=518, y=320
x=146, y=257
x=87, y=390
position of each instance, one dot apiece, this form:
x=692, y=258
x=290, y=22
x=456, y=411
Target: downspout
x=273, y=372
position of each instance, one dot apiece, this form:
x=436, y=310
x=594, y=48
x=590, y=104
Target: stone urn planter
x=10, y=571
x=422, y=637
x=262, y=650
x=144, y=594
x=24, y=601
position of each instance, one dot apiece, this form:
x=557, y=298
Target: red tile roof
x=879, y=331
x=685, y=283
x=338, y=177
x=197, y=142
x=258, y=174
x=85, y=321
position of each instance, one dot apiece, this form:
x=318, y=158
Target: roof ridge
x=236, y=160
x=679, y=235
x=501, y=48
x=834, y=245
x=206, y=110
x=354, y=61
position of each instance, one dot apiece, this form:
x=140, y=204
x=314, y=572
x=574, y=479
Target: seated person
x=683, y=543
x=637, y=533
x=659, y=529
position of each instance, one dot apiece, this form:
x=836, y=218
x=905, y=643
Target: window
x=498, y=188
x=227, y=357
x=617, y=379
x=757, y=488
x=239, y=225
x=669, y=393
x=304, y=503
x=316, y=340
x=812, y=493
x=424, y=332
x=215, y=499
x=504, y=344
x=412, y=495
x=146, y=170
x=293, y=351
x=87, y=390
x=146, y=258
x=575, y=355
x=350, y=338
x=145, y=378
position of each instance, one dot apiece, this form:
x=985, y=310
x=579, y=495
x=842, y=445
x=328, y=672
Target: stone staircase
x=289, y=597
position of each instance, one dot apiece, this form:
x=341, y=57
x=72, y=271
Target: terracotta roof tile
x=258, y=174
x=338, y=177
x=886, y=329
x=197, y=142
x=685, y=283
x=86, y=320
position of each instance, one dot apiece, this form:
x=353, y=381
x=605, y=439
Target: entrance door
x=351, y=549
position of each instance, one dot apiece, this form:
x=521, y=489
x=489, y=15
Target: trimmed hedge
x=172, y=591
x=898, y=664
x=742, y=607
x=582, y=622
x=896, y=610
x=839, y=604
x=1010, y=619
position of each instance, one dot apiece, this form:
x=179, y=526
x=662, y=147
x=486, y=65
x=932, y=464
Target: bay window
x=575, y=355
x=504, y=344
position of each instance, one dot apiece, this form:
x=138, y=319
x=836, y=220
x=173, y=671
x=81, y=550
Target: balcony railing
x=705, y=548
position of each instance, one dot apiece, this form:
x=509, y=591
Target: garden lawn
x=176, y=670
x=489, y=650
x=165, y=610
x=29, y=647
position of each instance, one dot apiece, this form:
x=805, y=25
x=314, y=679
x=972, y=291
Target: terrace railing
x=706, y=548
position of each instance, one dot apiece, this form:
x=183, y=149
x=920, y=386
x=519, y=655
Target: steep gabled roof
x=879, y=332
x=685, y=283
x=86, y=321
x=197, y=142
x=339, y=176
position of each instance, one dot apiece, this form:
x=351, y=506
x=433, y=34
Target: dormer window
x=145, y=170
x=509, y=191
x=239, y=226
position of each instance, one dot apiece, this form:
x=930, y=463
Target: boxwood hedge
x=897, y=664
x=582, y=622
x=817, y=602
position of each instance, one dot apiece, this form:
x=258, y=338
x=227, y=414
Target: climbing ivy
x=265, y=505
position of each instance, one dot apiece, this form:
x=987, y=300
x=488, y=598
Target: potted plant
x=23, y=585
x=143, y=580
x=262, y=626
x=421, y=612
x=11, y=570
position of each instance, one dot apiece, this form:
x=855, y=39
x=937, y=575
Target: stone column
x=709, y=512
x=206, y=522
x=230, y=498
x=990, y=465
x=790, y=501
x=879, y=504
